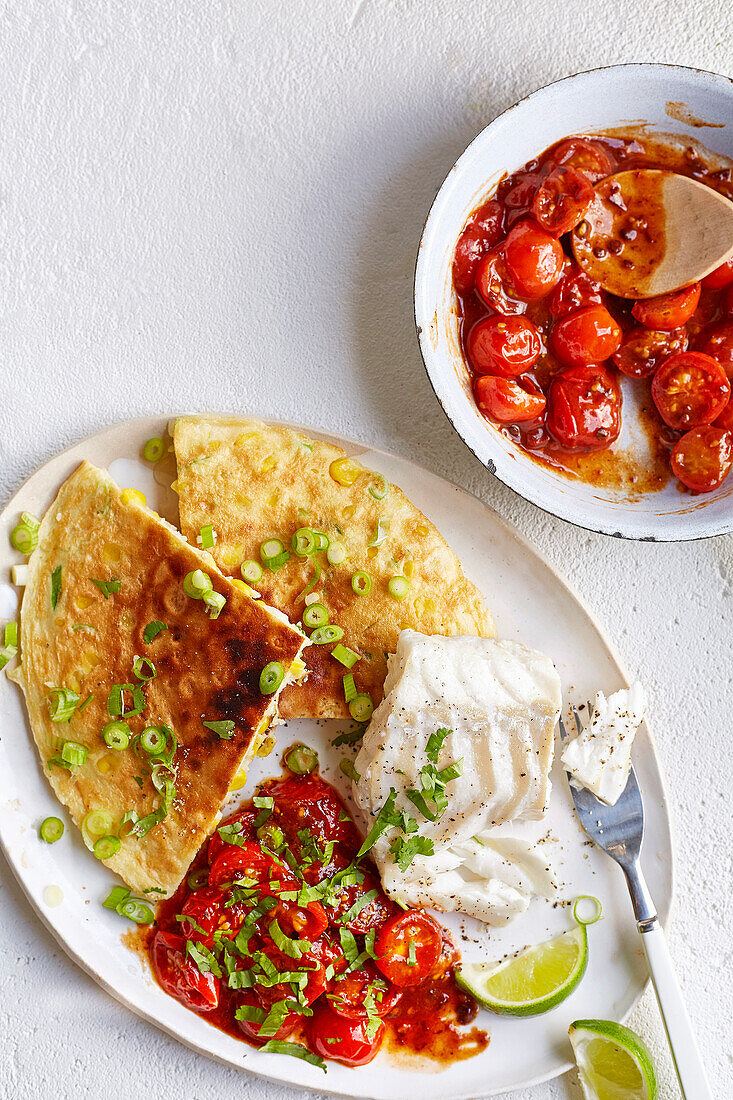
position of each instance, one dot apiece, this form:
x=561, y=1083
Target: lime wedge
x=613, y=1063
x=533, y=981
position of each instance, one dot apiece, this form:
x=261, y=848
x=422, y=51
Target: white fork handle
x=682, y=1043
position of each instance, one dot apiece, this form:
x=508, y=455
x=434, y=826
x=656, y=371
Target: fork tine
x=563, y=731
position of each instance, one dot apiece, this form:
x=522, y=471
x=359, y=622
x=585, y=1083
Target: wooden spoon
x=650, y=231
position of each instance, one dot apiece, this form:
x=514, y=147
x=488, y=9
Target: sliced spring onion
x=346, y=656
x=30, y=521
x=380, y=532
x=336, y=553
x=116, y=735
x=52, y=829
x=62, y=703
x=154, y=449
x=197, y=879
x=207, y=537
x=144, y=669
x=95, y=824
x=136, y=910
x=312, y=597
x=361, y=707
x=19, y=575
x=349, y=687
x=108, y=588
x=361, y=582
x=106, y=847
x=271, y=836
x=215, y=603
x=224, y=729
x=6, y=655
x=322, y=540
x=271, y=677
x=115, y=897
x=324, y=635
x=347, y=767
x=116, y=702
x=587, y=910
x=56, y=586
x=315, y=615
x=273, y=554
x=23, y=540
x=251, y=571
x=398, y=587
x=311, y=583
x=196, y=584
x=153, y=740
x=152, y=630
x=82, y=705
x=73, y=753
x=304, y=542
x=301, y=759
x=379, y=487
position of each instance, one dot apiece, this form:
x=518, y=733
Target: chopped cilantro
x=107, y=588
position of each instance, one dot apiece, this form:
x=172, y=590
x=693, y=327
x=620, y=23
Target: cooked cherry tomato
x=262, y=1001
x=248, y=861
x=503, y=345
x=722, y=276
x=494, y=283
x=517, y=192
x=585, y=156
x=205, y=909
x=534, y=259
x=725, y=420
x=703, y=458
x=719, y=344
x=690, y=389
x=588, y=336
x=408, y=948
x=342, y=1039
x=315, y=807
x=483, y=231
x=574, y=291
x=667, y=311
x=179, y=977
x=373, y=914
x=644, y=350
x=507, y=400
x=562, y=200
x=726, y=304
x=245, y=818
x=584, y=408
x=349, y=993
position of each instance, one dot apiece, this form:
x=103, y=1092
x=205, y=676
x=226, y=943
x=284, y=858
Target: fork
x=619, y=831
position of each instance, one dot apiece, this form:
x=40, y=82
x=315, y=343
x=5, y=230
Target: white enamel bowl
x=652, y=96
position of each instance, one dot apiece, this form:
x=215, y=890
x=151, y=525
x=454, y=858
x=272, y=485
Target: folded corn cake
x=105, y=591
x=253, y=481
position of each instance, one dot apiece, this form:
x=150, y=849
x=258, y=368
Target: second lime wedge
x=533, y=981
x=613, y=1063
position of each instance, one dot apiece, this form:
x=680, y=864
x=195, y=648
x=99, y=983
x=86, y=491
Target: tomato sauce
x=547, y=348
x=279, y=889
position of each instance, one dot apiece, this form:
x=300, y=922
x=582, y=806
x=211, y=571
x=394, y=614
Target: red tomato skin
x=667, y=311
x=535, y=259
x=374, y=913
x=584, y=408
x=590, y=335
x=562, y=200
x=216, y=844
x=205, y=907
x=414, y=927
x=507, y=346
x=585, y=156
x=483, y=231
x=347, y=997
x=726, y=304
x=719, y=344
x=574, y=291
x=702, y=459
x=507, y=400
x=725, y=420
x=722, y=276
x=494, y=284
x=249, y=861
x=643, y=350
x=690, y=389
x=316, y=808
x=353, y=1046
x=179, y=977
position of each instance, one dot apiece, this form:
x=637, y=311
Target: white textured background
x=218, y=204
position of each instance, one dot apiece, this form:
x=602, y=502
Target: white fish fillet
x=599, y=758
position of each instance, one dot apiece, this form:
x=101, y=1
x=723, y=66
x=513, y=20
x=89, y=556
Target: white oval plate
x=652, y=97
x=532, y=604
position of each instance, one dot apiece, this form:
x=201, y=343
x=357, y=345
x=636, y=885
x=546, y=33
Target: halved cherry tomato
x=179, y=977
x=644, y=349
x=248, y=861
x=409, y=947
x=562, y=200
x=494, y=284
x=373, y=914
x=719, y=344
x=205, y=908
x=348, y=994
x=341, y=1039
x=690, y=389
x=584, y=408
x=588, y=336
x=722, y=276
x=725, y=420
x=667, y=311
x=703, y=458
x=574, y=291
x=483, y=231
x=313, y=805
x=216, y=844
x=585, y=156
x=309, y=922
x=503, y=345
x=517, y=192
x=507, y=400
x=534, y=259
